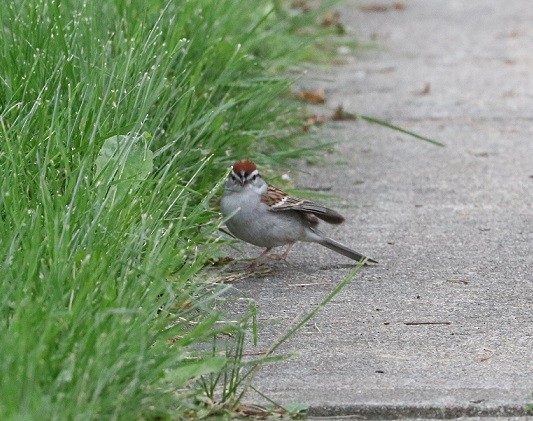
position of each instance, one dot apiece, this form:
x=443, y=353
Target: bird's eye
x=254, y=177
x=233, y=177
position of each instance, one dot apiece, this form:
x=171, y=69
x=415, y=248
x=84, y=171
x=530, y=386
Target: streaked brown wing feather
x=280, y=201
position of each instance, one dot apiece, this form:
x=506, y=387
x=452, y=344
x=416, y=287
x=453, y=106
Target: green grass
x=117, y=120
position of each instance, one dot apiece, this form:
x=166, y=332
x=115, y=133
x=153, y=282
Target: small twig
x=308, y=285
x=253, y=354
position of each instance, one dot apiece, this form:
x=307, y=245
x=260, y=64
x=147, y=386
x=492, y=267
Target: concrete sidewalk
x=443, y=325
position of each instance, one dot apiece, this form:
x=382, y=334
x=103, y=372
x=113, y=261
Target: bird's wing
x=279, y=201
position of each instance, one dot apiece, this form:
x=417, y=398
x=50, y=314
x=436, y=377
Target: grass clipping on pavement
x=117, y=120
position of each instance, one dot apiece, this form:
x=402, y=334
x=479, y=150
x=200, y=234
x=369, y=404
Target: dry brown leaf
x=174, y=339
x=374, y=8
x=399, y=5
x=426, y=90
x=317, y=96
x=316, y=120
x=330, y=19
x=339, y=114
x=297, y=4
x=379, y=8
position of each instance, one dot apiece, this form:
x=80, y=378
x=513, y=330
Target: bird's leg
x=264, y=256
x=259, y=258
x=264, y=253
x=284, y=255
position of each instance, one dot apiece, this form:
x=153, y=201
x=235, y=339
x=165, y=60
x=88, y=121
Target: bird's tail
x=342, y=249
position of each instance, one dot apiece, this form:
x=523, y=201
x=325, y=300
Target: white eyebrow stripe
x=253, y=173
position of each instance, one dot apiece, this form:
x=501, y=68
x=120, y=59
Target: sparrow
x=266, y=216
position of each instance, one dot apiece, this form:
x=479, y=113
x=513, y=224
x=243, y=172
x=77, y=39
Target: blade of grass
x=292, y=330
x=385, y=123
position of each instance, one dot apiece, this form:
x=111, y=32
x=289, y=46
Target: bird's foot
x=264, y=256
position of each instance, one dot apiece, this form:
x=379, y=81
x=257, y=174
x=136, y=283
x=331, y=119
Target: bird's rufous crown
x=244, y=166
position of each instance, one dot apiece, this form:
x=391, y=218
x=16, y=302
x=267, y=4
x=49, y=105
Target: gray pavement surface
x=442, y=327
